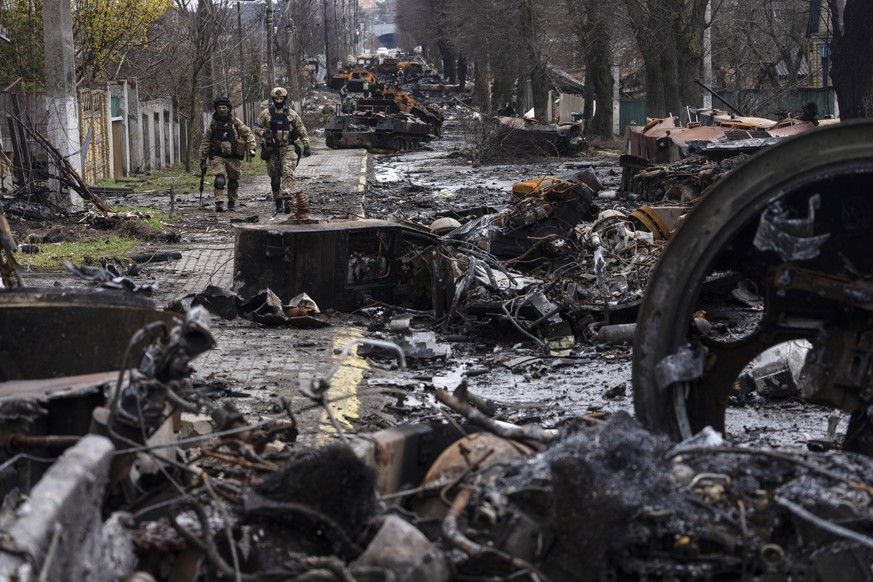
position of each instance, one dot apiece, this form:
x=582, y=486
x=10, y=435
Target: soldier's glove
x=268, y=137
x=306, y=151
x=252, y=153
x=203, y=166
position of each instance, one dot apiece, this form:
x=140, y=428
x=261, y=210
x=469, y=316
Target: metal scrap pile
x=493, y=499
x=664, y=161
x=683, y=181
x=552, y=264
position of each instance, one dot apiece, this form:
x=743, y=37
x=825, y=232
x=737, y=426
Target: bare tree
x=428, y=23
x=298, y=25
x=852, y=53
x=760, y=44
x=203, y=22
x=592, y=23
x=669, y=34
x=507, y=45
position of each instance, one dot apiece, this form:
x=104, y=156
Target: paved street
x=262, y=362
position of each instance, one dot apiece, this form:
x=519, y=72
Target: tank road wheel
x=796, y=221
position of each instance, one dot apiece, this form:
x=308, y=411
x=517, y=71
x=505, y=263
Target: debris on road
x=144, y=471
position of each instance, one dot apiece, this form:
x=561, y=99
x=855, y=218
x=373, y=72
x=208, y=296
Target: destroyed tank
x=392, y=120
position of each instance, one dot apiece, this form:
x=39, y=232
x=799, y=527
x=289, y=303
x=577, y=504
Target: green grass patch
x=89, y=252
x=156, y=218
x=178, y=178
x=162, y=179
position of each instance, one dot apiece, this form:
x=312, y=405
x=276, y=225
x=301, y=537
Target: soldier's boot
x=288, y=205
x=232, y=186
x=280, y=205
x=219, y=206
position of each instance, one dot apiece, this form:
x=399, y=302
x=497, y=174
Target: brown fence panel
x=94, y=123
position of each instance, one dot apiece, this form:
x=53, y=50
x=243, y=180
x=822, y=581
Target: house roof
x=565, y=82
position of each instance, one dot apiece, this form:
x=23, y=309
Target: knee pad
x=275, y=183
x=233, y=184
x=219, y=181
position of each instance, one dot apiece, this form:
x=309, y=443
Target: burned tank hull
x=385, y=123
x=396, y=132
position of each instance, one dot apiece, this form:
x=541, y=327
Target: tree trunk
x=669, y=34
x=448, y=57
x=689, y=27
x=599, y=71
x=481, y=90
x=852, y=54
x=192, y=107
x=536, y=69
x=600, y=76
x=656, y=91
x=462, y=71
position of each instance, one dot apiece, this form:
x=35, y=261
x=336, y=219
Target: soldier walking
x=280, y=127
x=226, y=142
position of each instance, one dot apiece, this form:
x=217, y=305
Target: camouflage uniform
x=284, y=126
x=226, y=142
x=327, y=111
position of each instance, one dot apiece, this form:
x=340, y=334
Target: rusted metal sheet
x=652, y=222
x=56, y=411
x=793, y=128
x=641, y=139
x=663, y=141
x=53, y=332
x=403, y=454
x=742, y=122
x=341, y=266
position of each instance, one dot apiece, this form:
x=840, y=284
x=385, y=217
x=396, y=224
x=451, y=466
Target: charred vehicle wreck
x=385, y=119
x=376, y=113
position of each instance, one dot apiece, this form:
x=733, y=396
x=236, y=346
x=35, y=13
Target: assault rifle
x=270, y=149
x=203, y=167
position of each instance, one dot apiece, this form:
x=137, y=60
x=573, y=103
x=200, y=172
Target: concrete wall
x=151, y=134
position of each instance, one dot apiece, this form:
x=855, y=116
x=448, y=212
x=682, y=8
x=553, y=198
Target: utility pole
x=707, y=54
x=343, y=31
x=242, y=65
x=293, y=59
x=271, y=72
x=60, y=88
x=357, y=30
x=326, y=41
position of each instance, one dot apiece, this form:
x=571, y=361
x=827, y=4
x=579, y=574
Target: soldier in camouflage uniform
x=226, y=142
x=280, y=127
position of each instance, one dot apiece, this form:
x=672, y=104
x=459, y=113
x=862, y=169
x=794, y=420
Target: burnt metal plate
x=56, y=331
x=340, y=266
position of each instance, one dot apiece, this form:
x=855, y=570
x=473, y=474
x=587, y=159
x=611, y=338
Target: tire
x=718, y=226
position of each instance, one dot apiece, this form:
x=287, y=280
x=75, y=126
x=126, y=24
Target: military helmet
x=279, y=92
x=221, y=101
